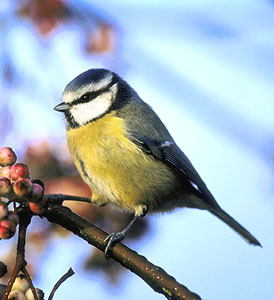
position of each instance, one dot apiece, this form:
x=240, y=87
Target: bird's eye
x=86, y=97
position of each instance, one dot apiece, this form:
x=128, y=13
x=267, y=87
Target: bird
x=127, y=156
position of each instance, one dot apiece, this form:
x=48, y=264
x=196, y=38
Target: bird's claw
x=111, y=240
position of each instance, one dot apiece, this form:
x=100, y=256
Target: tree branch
x=26, y=273
x=154, y=276
x=60, y=198
x=20, y=264
x=69, y=273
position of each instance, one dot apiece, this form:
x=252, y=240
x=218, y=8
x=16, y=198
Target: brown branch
x=60, y=198
x=29, y=280
x=154, y=276
x=20, y=264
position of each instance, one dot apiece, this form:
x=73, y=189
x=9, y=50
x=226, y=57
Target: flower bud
x=16, y=295
x=5, y=186
x=3, y=269
x=40, y=207
x=3, y=210
x=7, y=229
x=19, y=170
x=22, y=187
x=20, y=283
x=5, y=171
x=29, y=294
x=7, y=156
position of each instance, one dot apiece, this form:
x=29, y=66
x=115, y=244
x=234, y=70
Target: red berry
x=3, y=210
x=22, y=187
x=7, y=156
x=40, y=207
x=5, y=186
x=37, y=192
x=5, y=171
x=7, y=229
x=19, y=170
x=38, y=181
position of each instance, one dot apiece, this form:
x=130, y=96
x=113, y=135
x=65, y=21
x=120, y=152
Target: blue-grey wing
x=170, y=154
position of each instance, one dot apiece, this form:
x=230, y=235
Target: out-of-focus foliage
x=50, y=161
x=47, y=15
x=31, y=31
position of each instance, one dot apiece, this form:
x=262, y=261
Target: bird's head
x=91, y=95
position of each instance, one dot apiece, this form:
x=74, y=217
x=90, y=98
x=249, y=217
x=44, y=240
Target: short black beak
x=62, y=107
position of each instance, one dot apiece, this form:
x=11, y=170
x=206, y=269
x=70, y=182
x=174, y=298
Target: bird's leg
x=116, y=237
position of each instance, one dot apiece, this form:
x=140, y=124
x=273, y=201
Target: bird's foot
x=113, y=239
x=116, y=237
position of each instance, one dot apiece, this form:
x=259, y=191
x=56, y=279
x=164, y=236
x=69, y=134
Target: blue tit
x=126, y=155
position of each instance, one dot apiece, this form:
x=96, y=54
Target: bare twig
x=60, y=198
x=154, y=276
x=26, y=273
x=69, y=273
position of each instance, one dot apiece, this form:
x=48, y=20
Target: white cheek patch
x=86, y=112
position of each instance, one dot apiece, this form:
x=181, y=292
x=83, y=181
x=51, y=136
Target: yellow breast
x=114, y=167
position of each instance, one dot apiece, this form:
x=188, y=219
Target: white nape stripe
x=69, y=96
x=86, y=112
x=96, y=86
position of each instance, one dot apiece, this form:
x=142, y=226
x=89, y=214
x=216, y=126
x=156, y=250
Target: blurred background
x=207, y=69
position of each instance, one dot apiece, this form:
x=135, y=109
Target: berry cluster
x=16, y=185
x=20, y=289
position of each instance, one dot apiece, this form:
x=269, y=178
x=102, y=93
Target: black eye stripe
x=87, y=97
x=92, y=95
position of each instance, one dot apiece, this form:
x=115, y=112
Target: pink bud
x=22, y=187
x=7, y=229
x=7, y=156
x=5, y=186
x=5, y=171
x=3, y=210
x=19, y=170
